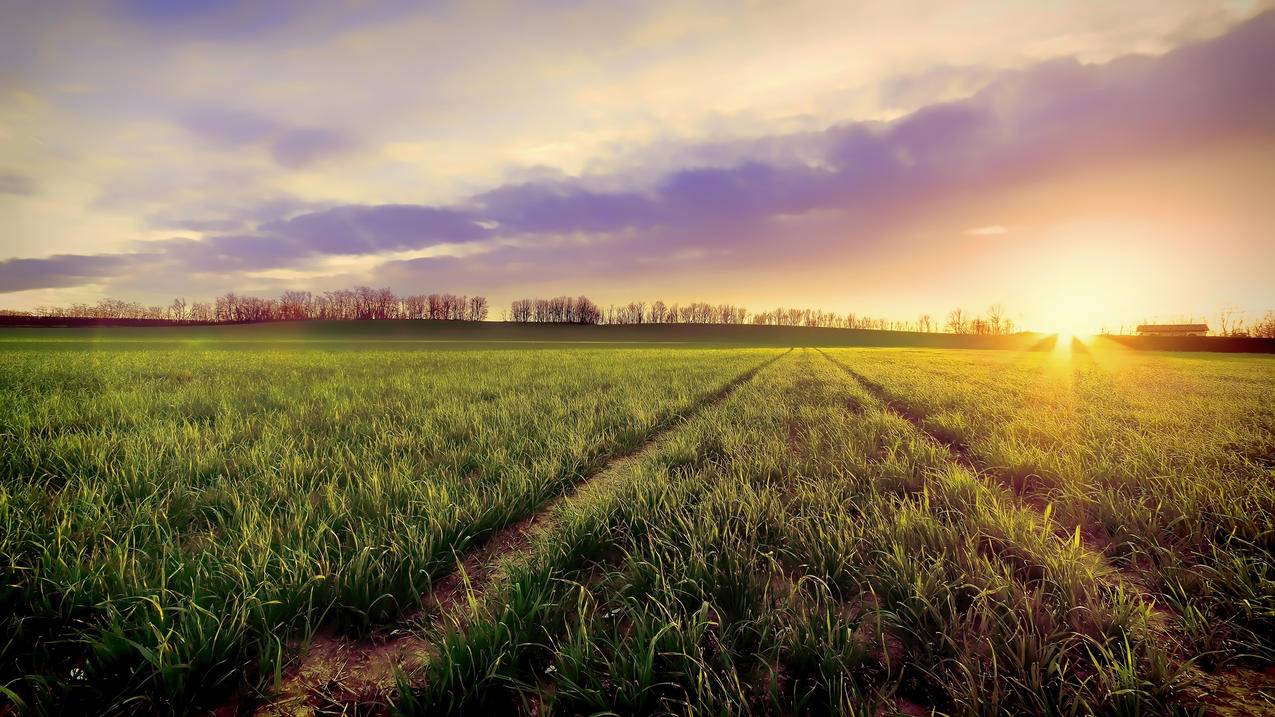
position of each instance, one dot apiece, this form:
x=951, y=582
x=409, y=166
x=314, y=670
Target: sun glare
x=1077, y=311
x=1088, y=283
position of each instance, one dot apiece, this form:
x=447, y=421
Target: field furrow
x=1176, y=615
x=338, y=669
x=850, y=564
x=637, y=531
x=171, y=523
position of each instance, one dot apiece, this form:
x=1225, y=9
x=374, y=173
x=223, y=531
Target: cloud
x=1024, y=126
x=224, y=127
x=226, y=217
x=302, y=147
x=16, y=184
x=291, y=147
x=943, y=81
x=224, y=253
x=558, y=208
x=371, y=229
x=65, y=270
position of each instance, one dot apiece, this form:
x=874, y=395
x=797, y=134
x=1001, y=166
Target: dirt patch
x=1237, y=692
x=338, y=671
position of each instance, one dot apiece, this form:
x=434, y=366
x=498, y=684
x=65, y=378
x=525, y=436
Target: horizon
x=1083, y=166
x=302, y=305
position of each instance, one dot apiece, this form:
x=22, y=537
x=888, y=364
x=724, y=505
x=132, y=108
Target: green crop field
x=362, y=526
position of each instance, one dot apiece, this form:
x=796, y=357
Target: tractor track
x=345, y=675
x=1205, y=690
x=961, y=454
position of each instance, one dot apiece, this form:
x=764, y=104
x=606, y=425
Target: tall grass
x=174, y=524
x=170, y=521
x=811, y=552
x=1164, y=462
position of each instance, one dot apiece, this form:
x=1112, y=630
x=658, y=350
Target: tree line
x=360, y=302
x=367, y=303
x=994, y=323
x=582, y=310
x=1230, y=323
x=363, y=303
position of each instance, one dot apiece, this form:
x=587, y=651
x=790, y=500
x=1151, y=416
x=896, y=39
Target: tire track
x=958, y=451
x=341, y=672
x=961, y=454
x=1206, y=690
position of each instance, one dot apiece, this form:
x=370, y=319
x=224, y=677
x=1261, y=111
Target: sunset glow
x=557, y=357
x=1085, y=166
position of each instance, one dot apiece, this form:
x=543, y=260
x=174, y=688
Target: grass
x=1165, y=463
x=168, y=515
x=851, y=566
x=847, y=531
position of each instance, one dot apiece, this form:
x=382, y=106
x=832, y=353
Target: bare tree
x=201, y=311
x=1231, y=323
x=295, y=305
x=363, y=302
x=995, y=318
x=1265, y=327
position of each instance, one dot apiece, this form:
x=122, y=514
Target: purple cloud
x=343, y=231
x=298, y=148
x=227, y=253
x=231, y=218
x=1023, y=126
x=291, y=147
x=65, y=270
x=370, y=229
x=229, y=128
x=554, y=208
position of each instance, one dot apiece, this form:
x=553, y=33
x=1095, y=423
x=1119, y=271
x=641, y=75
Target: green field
x=285, y=525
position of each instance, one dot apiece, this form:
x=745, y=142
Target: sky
x=1083, y=164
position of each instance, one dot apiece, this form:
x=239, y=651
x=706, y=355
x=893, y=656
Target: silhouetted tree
x=520, y=310
x=1264, y=328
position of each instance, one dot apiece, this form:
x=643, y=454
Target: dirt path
x=341, y=674
x=1238, y=691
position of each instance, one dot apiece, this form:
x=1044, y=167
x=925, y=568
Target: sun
x=1076, y=318
x=1072, y=321
x=1077, y=306
x=1085, y=282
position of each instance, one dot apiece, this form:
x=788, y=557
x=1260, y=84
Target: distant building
x=1173, y=329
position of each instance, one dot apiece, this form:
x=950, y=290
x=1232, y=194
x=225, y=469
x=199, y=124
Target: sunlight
x=1080, y=310
x=1086, y=283
x=1083, y=313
